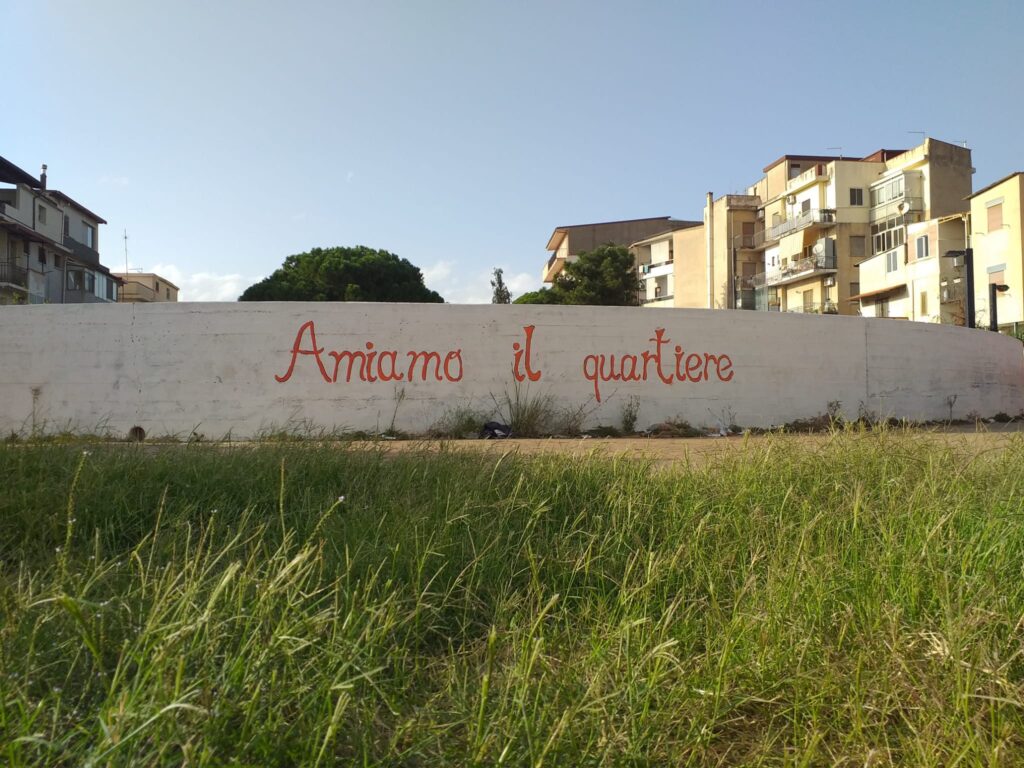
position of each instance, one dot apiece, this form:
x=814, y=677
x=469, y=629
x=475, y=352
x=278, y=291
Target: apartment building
x=49, y=246
x=998, y=244
x=566, y=243
x=145, y=287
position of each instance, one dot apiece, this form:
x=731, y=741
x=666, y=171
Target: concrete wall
x=245, y=368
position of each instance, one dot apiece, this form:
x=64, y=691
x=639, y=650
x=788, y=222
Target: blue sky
x=226, y=136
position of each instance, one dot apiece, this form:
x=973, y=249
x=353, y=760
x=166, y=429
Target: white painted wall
x=174, y=368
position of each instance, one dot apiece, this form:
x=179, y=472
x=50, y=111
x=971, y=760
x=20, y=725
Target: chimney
x=42, y=177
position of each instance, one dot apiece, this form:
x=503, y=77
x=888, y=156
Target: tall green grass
x=860, y=604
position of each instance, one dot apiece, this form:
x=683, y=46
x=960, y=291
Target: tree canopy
x=343, y=274
x=605, y=276
x=500, y=294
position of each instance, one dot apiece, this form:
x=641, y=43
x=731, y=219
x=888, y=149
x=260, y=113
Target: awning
x=879, y=292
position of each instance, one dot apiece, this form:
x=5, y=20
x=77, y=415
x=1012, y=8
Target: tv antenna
x=126, y=251
x=829, y=149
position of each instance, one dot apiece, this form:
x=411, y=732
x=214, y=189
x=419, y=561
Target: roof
x=670, y=224
x=881, y=155
x=994, y=184
x=61, y=196
x=127, y=277
x=12, y=174
x=815, y=158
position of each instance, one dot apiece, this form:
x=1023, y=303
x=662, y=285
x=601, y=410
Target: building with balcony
x=998, y=244
x=566, y=243
x=145, y=287
x=49, y=251
x=823, y=216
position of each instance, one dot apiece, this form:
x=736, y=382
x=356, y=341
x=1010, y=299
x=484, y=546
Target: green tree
x=501, y=294
x=343, y=274
x=543, y=296
x=605, y=276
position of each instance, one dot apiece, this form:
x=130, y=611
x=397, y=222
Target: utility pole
x=967, y=254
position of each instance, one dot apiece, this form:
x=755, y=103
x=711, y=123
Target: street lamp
x=994, y=289
x=968, y=256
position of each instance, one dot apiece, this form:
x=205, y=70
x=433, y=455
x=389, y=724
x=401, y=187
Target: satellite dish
x=818, y=249
x=903, y=207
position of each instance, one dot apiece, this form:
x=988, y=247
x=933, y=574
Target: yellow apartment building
x=918, y=214
x=566, y=243
x=999, y=251
x=145, y=287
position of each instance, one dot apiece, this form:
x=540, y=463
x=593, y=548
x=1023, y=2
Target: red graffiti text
x=370, y=364
x=656, y=362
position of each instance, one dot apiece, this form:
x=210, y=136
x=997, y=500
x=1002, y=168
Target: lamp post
x=968, y=256
x=994, y=289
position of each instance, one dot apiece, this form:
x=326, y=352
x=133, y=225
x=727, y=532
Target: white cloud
x=205, y=286
x=522, y=282
x=458, y=287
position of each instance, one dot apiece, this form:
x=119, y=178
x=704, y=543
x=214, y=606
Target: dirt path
x=696, y=451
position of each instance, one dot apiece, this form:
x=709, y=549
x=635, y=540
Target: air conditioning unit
x=958, y=261
x=760, y=214
x=830, y=281
x=790, y=199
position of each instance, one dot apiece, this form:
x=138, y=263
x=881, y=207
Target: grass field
x=857, y=604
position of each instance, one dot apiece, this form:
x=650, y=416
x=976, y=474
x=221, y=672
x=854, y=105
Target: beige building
x=144, y=287
x=566, y=243
x=996, y=239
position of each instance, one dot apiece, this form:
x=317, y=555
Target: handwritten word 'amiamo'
x=687, y=367
x=371, y=364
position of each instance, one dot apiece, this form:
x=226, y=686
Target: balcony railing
x=655, y=269
x=900, y=205
x=796, y=270
x=802, y=221
x=82, y=252
x=815, y=308
x=12, y=274
x=664, y=297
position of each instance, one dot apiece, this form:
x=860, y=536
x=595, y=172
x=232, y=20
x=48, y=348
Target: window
x=805, y=206
x=67, y=224
x=856, y=196
x=42, y=214
x=924, y=304
x=854, y=289
x=90, y=235
x=997, y=275
x=892, y=261
x=857, y=246
x=881, y=307
x=995, y=216
x=808, y=300
x=90, y=282
x=886, y=235
x=157, y=288
x=74, y=280
x=168, y=294
x=922, y=247
x=795, y=170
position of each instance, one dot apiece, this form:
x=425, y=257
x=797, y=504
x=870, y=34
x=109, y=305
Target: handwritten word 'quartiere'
x=695, y=366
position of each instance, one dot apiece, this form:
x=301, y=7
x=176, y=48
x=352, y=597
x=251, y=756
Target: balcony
x=657, y=269
x=900, y=206
x=808, y=218
x=132, y=291
x=815, y=308
x=81, y=252
x=815, y=173
x=798, y=270
x=666, y=297
x=12, y=274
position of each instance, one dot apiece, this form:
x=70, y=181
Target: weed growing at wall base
x=293, y=605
